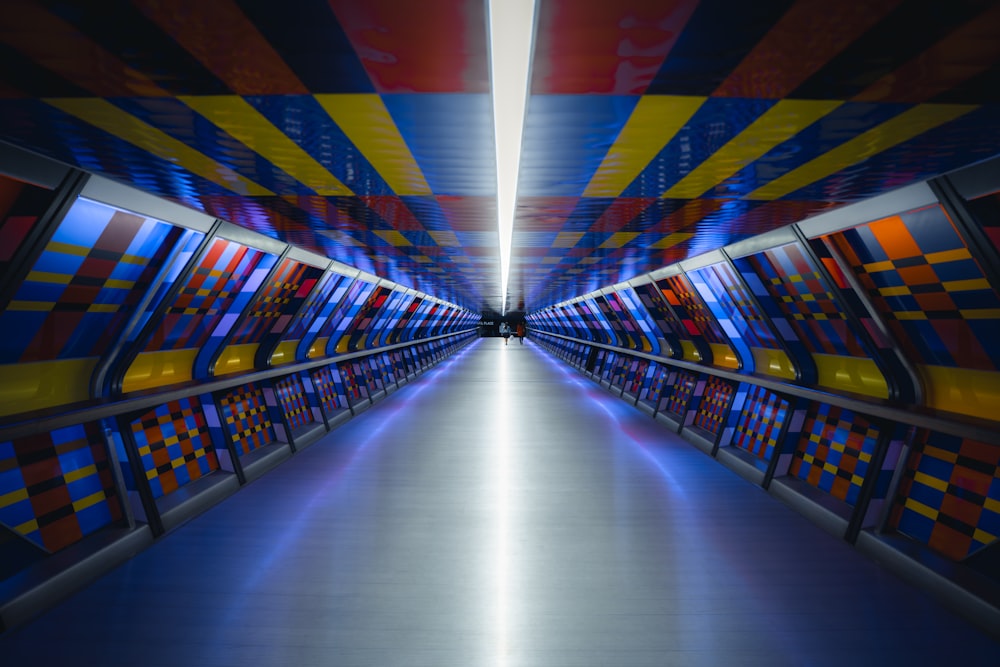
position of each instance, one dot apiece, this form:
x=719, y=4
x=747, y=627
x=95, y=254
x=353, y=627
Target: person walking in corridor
x=520, y=332
x=505, y=332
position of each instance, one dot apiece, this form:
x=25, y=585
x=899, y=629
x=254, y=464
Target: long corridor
x=499, y=511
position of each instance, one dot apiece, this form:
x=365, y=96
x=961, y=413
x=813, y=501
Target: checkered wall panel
x=292, y=399
x=245, y=414
x=835, y=451
x=681, y=393
x=278, y=302
x=760, y=422
x=919, y=273
x=209, y=294
x=84, y=287
x=174, y=445
x=714, y=405
x=807, y=304
x=330, y=389
x=950, y=495
x=695, y=317
x=56, y=488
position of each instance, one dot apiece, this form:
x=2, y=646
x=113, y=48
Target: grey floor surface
x=499, y=511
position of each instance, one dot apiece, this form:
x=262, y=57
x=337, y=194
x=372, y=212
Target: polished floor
x=499, y=511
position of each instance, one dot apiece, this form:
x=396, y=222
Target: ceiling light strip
x=512, y=27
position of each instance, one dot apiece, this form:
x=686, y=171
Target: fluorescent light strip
x=512, y=29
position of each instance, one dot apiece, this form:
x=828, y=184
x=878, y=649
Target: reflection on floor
x=500, y=510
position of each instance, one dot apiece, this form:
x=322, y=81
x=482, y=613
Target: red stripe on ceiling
x=434, y=46
x=966, y=52
x=619, y=214
x=224, y=40
x=470, y=214
x=810, y=34
x=395, y=212
x=61, y=48
x=614, y=47
x=686, y=216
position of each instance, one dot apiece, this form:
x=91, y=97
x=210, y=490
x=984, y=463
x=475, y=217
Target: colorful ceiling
x=655, y=130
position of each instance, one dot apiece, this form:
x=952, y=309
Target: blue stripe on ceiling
x=714, y=41
x=932, y=153
x=179, y=121
x=308, y=124
x=843, y=124
x=45, y=129
x=451, y=139
x=713, y=125
x=311, y=22
x=565, y=139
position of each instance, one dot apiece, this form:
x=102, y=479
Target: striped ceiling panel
x=656, y=130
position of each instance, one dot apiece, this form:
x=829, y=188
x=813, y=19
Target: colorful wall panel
x=353, y=338
x=336, y=326
x=292, y=398
x=355, y=391
x=247, y=421
x=682, y=391
x=936, y=300
x=174, y=445
x=666, y=321
x=835, y=451
x=201, y=314
x=806, y=309
x=733, y=305
x=77, y=301
x=330, y=389
x=714, y=405
x=56, y=488
x=760, y=422
x=656, y=377
x=704, y=339
x=950, y=495
x=276, y=304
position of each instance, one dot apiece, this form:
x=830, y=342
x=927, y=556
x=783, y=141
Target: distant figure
x=520, y=332
x=505, y=332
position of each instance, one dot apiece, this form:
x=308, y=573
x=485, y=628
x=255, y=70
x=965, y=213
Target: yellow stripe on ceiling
x=653, y=123
x=240, y=120
x=367, y=123
x=106, y=116
x=670, y=240
x=778, y=124
x=905, y=126
x=567, y=239
x=618, y=239
x=392, y=237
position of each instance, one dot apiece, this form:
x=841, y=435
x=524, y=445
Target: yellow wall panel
x=44, y=384
x=851, y=374
x=773, y=362
x=236, y=359
x=962, y=390
x=159, y=369
x=724, y=356
x=284, y=353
